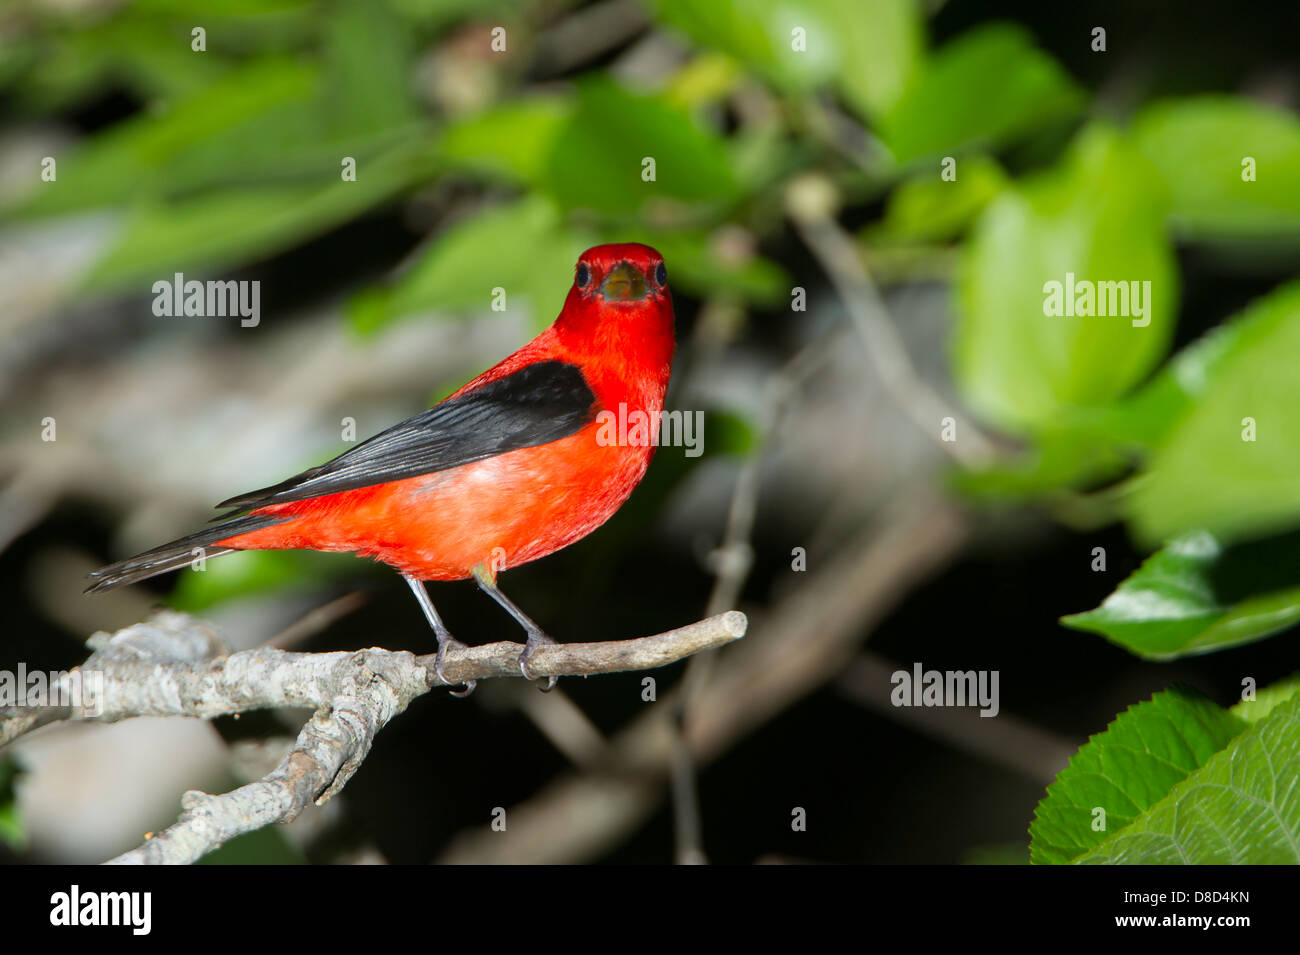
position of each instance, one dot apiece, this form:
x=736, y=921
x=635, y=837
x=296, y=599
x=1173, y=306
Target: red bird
x=510, y=468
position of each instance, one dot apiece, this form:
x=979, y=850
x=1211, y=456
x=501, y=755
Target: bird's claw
x=535, y=640
x=443, y=646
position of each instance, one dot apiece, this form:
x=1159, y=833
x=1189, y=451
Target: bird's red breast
x=509, y=508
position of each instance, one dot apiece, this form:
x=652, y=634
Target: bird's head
x=621, y=273
x=619, y=298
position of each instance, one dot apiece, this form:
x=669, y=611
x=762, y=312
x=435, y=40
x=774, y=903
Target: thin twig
x=733, y=560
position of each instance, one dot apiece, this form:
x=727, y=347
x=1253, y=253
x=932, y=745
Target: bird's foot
x=535, y=639
x=444, y=644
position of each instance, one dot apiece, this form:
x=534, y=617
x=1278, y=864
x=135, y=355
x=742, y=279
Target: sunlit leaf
x=758, y=33
x=1195, y=596
x=1267, y=699
x=514, y=140
x=1099, y=219
x=1231, y=462
x=1200, y=146
x=868, y=50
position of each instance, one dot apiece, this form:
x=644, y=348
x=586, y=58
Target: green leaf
x=462, y=267
x=868, y=50
x=156, y=153
x=1205, y=473
x=1196, y=597
x=597, y=161
x=1199, y=146
x=758, y=33
x=988, y=87
x=228, y=228
x=589, y=154
x=1144, y=419
x=1241, y=807
x=880, y=47
x=1086, y=445
x=369, y=75
x=1098, y=219
x=926, y=208
x=276, y=121
x=513, y=140
x=1126, y=770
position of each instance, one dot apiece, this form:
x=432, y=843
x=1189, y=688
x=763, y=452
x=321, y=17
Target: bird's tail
x=178, y=553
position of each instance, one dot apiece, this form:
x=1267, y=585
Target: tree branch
x=175, y=665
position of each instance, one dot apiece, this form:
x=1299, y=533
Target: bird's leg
x=487, y=581
x=445, y=639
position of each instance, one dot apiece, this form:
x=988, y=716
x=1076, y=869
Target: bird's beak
x=624, y=283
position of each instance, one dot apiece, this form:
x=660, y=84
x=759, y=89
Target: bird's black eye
x=584, y=274
x=661, y=275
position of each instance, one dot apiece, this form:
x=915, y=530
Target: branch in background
x=810, y=201
x=1009, y=742
x=175, y=665
x=733, y=560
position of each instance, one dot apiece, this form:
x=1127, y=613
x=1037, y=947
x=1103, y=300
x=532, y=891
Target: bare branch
x=175, y=665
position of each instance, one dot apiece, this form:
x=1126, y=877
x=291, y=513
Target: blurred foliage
x=233, y=155
x=1099, y=215
x=252, y=572
x=12, y=833
x=985, y=89
x=1194, y=143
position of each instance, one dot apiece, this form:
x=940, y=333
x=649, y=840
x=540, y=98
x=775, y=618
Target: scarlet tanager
x=508, y=469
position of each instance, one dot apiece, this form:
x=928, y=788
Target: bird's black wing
x=537, y=404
